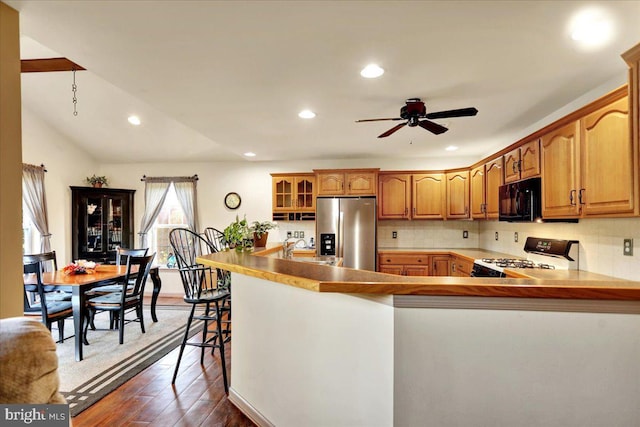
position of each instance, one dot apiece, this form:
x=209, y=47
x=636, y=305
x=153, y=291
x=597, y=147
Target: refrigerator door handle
x=339, y=243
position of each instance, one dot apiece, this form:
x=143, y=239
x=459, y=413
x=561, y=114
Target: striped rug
x=107, y=364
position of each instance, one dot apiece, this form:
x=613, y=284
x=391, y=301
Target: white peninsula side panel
x=302, y=358
x=484, y=367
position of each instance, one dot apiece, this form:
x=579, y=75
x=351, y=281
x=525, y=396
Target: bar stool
x=203, y=292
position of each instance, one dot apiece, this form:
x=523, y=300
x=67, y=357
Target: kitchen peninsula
x=321, y=345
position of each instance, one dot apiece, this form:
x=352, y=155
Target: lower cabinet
x=404, y=264
x=440, y=265
x=461, y=267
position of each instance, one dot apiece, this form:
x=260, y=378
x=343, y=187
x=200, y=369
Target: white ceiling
x=212, y=79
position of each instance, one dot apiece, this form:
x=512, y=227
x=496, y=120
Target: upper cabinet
x=522, y=162
x=485, y=181
x=101, y=221
x=428, y=196
x=394, y=196
x=589, y=167
x=411, y=196
x=347, y=182
x=293, y=195
x=478, y=194
x=458, y=195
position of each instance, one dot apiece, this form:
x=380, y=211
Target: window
x=30, y=236
x=171, y=216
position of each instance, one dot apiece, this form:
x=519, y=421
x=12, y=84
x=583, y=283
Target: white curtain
x=186, y=193
x=35, y=202
x=154, y=194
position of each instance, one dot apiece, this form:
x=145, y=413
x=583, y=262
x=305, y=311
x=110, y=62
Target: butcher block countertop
x=561, y=284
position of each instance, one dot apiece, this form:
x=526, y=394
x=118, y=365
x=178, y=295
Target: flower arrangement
x=72, y=269
x=97, y=181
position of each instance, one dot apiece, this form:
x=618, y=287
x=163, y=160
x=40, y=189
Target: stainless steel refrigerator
x=346, y=228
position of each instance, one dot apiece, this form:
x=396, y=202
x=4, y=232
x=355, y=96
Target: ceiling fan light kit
x=414, y=110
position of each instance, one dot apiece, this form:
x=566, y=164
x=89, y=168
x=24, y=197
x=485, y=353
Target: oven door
x=484, y=271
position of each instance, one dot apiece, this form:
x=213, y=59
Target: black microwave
x=521, y=201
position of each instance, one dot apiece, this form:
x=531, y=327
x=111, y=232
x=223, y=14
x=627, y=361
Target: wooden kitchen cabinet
x=560, y=169
x=293, y=193
x=394, y=195
x=461, y=267
x=403, y=264
x=485, y=184
x=494, y=178
x=522, y=162
x=347, y=182
x=428, y=196
x=440, y=265
x=458, y=194
x=588, y=165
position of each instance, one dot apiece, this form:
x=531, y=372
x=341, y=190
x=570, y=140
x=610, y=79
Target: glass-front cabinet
x=102, y=220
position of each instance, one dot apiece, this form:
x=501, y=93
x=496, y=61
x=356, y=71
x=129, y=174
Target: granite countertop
x=325, y=278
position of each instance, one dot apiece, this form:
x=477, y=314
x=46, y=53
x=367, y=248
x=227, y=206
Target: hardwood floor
x=197, y=399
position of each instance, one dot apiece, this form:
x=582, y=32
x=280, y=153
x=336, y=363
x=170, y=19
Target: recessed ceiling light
x=134, y=120
x=591, y=28
x=451, y=148
x=250, y=154
x=372, y=71
x=306, y=114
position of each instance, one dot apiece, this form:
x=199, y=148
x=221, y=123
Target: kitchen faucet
x=287, y=249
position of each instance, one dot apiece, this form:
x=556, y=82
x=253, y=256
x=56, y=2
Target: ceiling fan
x=414, y=110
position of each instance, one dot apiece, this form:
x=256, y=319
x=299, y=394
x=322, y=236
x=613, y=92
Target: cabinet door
x=478, y=194
x=305, y=195
x=529, y=164
x=394, y=196
x=391, y=269
x=428, y=196
x=560, y=172
x=440, y=265
x=607, y=161
x=330, y=183
x=416, y=270
x=493, y=181
x=361, y=183
x=511, y=161
x=458, y=195
x=283, y=198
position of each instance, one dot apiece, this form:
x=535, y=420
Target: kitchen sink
x=317, y=260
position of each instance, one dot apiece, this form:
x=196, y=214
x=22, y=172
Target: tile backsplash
x=601, y=242
x=427, y=234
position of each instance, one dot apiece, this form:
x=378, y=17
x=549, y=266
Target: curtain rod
x=169, y=178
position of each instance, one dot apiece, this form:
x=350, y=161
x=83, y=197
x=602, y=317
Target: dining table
x=79, y=284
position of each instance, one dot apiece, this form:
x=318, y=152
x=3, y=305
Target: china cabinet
x=102, y=220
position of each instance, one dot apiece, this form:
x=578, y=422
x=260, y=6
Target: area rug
x=106, y=364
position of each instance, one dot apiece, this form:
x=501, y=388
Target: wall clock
x=232, y=200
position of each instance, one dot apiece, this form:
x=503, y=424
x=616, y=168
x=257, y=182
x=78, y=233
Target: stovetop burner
x=516, y=263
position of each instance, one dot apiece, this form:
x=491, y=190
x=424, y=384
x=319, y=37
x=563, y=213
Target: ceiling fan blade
x=392, y=130
x=432, y=127
x=461, y=112
x=378, y=120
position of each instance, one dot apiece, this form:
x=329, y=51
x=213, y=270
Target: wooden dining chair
x=127, y=300
x=45, y=305
x=203, y=292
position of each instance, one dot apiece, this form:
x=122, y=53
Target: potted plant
x=261, y=232
x=97, y=181
x=237, y=235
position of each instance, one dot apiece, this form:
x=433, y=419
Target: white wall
x=66, y=165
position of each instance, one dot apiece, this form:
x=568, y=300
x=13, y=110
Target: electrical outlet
x=302, y=234
x=496, y=236
x=465, y=234
x=394, y=234
x=628, y=247
x=515, y=237
x=296, y=234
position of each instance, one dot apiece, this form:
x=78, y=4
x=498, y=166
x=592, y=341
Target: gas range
x=555, y=254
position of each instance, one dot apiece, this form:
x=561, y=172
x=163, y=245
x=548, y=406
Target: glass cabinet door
x=94, y=220
x=114, y=223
